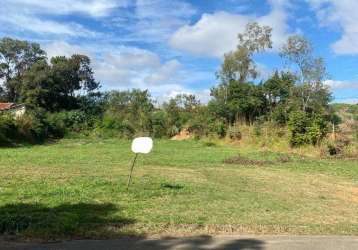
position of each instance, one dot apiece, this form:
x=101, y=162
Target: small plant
x=338, y=147
x=333, y=149
x=234, y=133
x=257, y=129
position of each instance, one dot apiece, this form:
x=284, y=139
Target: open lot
x=76, y=188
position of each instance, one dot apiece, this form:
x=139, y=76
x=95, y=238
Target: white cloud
x=341, y=15
x=163, y=9
x=336, y=84
x=129, y=67
x=38, y=16
x=141, y=70
x=165, y=73
x=171, y=91
x=95, y=8
x=62, y=48
x=36, y=25
x=136, y=20
x=215, y=34
x=152, y=20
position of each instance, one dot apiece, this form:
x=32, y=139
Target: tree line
x=63, y=96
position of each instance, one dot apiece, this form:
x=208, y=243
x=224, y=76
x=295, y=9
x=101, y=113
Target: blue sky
x=172, y=47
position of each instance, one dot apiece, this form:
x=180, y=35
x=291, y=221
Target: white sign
x=142, y=145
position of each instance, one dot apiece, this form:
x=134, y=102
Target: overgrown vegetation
x=63, y=97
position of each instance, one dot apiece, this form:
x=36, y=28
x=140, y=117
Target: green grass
x=76, y=189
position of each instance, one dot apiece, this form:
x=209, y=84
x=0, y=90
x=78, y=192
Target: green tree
x=174, y=113
x=70, y=77
x=277, y=90
x=129, y=112
x=238, y=65
x=311, y=93
x=244, y=102
x=58, y=86
x=16, y=57
x=37, y=86
x=234, y=98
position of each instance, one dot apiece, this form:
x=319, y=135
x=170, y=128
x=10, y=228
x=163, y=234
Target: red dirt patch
x=183, y=135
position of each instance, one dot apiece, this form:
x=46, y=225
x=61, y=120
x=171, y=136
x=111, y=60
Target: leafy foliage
x=62, y=96
x=306, y=129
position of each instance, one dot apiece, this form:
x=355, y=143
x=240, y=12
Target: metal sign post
x=130, y=174
x=140, y=145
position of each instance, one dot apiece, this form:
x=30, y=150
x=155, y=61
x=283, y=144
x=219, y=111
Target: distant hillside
x=346, y=111
x=349, y=115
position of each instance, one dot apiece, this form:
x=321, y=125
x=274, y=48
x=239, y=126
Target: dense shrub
x=306, y=128
x=115, y=126
x=8, y=130
x=317, y=129
x=218, y=127
x=297, y=124
x=159, y=124
x=31, y=128
x=62, y=123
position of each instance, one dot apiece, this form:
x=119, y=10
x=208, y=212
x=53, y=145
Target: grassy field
x=76, y=189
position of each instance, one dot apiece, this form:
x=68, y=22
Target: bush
x=35, y=126
x=333, y=149
x=8, y=130
x=62, y=123
x=57, y=124
x=297, y=124
x=316, y=130
x=114, y=126
x=218, y=127
x=159, y=128
x=306, y=128
x=31, y=128
x=279, y=115
x=173, y=130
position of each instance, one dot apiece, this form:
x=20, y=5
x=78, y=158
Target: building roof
x=6, y=105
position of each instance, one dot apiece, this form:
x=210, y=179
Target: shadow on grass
x=64, y=221
x=204, y=242
x=186, y=243
x=94, y=221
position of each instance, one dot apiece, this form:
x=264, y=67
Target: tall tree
x=235, y=98
x=16, y=57
x=238, y=65
x=57, y=86
x=37, y=86
x=71, y=76
x=311, y=72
